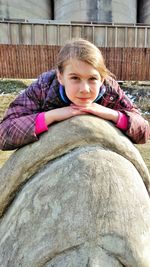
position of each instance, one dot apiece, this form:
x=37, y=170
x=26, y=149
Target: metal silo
x=82, y=10
x=118, y=11
x=124, y=11
x=25, y=9
x=144, y=11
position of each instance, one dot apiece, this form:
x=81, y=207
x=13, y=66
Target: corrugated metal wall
x=28, y=61
x=48, y=33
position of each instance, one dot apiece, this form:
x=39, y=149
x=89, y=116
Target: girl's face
x=82, y=82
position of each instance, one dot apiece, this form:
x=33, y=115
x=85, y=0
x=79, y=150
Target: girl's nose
x=84, y=87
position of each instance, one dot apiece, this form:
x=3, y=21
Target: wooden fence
x=28, y=61
x=51, y=32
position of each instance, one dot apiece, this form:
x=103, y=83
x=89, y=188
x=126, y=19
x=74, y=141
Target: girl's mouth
x=83, y=98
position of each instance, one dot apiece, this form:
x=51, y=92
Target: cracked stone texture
x=76, y=198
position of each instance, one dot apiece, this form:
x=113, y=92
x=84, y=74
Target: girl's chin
x=84, y=103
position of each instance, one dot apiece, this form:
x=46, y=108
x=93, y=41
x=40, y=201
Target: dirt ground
x=6, y=98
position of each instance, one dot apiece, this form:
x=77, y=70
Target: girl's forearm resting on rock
x=46, y=118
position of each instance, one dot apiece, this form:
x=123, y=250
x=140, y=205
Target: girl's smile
x=81, y=81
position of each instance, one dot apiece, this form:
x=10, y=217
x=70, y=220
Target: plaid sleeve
x=18, y=125
x=138, y=129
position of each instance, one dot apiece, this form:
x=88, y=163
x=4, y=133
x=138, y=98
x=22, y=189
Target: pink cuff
x=40, y=125
x=122, y=122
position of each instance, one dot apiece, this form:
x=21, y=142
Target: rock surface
x=77, y=197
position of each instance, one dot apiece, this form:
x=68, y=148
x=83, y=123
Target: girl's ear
x=59, y=77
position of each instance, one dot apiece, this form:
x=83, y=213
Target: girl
x=81, y=85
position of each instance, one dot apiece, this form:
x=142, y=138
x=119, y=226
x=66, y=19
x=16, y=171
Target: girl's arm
x=138, y=129
x=114, y=101
x=18, y=126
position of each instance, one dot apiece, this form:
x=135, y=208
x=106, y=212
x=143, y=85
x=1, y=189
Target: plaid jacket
x=18, y=125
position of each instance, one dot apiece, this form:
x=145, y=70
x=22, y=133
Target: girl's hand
x=61, y=114
x=99, y=111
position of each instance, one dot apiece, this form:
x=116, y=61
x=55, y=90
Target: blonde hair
x=83, y=50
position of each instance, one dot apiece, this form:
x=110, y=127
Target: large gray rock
x=77, y=197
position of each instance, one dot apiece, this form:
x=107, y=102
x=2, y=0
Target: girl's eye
x=75, y=78
x=93, y=79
